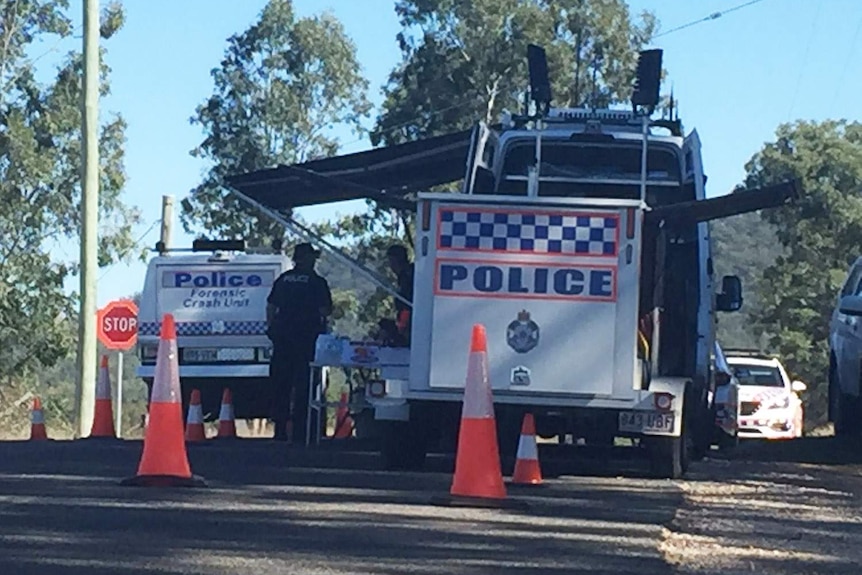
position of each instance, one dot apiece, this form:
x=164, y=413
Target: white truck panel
x=556, y=287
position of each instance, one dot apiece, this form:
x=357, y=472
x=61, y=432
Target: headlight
x=780, y=403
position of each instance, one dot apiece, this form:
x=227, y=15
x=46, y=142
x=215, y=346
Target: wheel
x=844, y=409
x=798, y=423
x=704, y=422
x=833, y=390
x=403, y=446
x=667, y=457
x=727, y=442
x=847, y=422
x=508, y=432
x=670, y=456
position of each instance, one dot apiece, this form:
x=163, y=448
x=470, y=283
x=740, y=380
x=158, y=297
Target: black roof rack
x=748, y=352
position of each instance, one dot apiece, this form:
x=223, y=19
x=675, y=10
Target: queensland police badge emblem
x=522, y=335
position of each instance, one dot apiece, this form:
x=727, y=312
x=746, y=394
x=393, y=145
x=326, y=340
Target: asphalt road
x=269, y=509
x=769, y=508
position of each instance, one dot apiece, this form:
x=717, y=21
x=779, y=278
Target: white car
x=769, y=405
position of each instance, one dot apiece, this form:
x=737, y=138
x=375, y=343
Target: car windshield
x=760, y=375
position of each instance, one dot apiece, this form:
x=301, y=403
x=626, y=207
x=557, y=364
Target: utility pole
x=85, y=385
x=167, y=223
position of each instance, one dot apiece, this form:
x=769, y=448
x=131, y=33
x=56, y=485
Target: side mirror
x=730, y=298
x=722, y=379
x=798, y=386
x=851, y=305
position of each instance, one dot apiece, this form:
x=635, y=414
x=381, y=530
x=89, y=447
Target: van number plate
x=646, y=421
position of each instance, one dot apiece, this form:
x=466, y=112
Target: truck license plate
x=645, y=421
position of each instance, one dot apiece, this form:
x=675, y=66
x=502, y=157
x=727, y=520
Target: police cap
x=304, y=251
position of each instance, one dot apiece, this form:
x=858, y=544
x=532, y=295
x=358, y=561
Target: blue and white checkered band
x=585, y=234
x=208, y=328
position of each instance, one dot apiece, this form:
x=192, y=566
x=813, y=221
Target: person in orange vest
x=398, y=332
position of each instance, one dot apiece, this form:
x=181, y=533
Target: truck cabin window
x=593, y=170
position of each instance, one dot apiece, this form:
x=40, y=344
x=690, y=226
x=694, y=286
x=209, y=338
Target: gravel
x=791, y=508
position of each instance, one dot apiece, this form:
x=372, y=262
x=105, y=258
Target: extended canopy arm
x=303, y=231
x=725, y=206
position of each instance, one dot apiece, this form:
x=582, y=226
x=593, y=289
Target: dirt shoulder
x=771, y=508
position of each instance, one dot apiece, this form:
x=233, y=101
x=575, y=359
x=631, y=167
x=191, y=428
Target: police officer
x=400, y=263
x=296, y=311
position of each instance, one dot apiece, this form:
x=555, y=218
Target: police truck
x=579, y=238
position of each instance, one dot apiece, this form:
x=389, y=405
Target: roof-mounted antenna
x=540, y=91
x=646, y=95
x=540, y=85
x=597, y=63
x=670, y=106
x=648, y=82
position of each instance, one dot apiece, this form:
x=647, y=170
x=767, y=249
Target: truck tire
x=727, y=442
x=508, y=433
x=703, y=422
x=403, y=446
x=847, y=418
x=666, y=455
x=669, y=457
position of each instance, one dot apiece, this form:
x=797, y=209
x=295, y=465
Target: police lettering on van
x=532, y=280
x=217, y=289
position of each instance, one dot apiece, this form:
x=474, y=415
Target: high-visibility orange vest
x=403, y=320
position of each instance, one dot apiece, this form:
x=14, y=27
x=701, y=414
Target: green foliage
x=820, y=233
x=464, y=61
x=281, y=86
x=40, y=162
x=744, y=245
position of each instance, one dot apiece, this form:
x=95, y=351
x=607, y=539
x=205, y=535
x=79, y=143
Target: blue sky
x=736, y=77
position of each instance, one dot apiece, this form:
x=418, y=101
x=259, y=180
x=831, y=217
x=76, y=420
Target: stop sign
x=117, y=324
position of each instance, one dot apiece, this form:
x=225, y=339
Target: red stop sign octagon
x=117, y=324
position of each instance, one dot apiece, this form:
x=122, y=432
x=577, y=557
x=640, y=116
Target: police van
x=218, y=300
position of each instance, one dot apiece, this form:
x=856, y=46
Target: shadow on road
x=270, y=509
x=812, y=450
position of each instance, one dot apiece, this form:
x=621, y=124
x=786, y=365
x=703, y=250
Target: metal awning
x=384, y=173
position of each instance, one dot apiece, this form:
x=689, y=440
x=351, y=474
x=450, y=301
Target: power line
x=409, y=122
x=804, y=61
x=713, y=16
x=136, y=244
x=52, y=48
x=850, y=53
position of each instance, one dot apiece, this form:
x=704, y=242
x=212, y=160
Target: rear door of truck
x=555, y=283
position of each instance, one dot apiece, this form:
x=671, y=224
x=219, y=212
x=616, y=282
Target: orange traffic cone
x=103, y=416
x=343, y=421
x=226, y=423
x=195, y=420
x=478, y=479
x=164, y=461
x=527, y=470
x=37, y=422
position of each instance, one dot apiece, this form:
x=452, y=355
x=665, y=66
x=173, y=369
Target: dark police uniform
x=298, y=297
